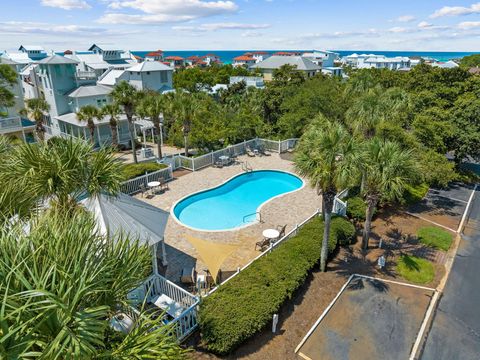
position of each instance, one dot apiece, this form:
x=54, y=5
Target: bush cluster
x=131, y=171
x=245, y=305
x=356, y=208
x=414, y=194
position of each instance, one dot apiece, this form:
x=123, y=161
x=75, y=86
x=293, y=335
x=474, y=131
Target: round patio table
x=271, y=234
x=153, y=184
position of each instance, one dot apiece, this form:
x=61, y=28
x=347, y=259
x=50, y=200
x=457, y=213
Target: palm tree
x=186, y=108
x=62, y=284
x=127, y=97
x=152, y=106
x=88, y=114
x=327, y=156
x=112, y=111
x=61, y=171
x=387, y=170
x=37, y=109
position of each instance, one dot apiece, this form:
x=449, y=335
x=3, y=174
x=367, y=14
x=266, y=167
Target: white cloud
x=19, y=27
x=164, y=11
x=67, y=4
x=456, y=11
x=469, y=25
x=398, y=29
x=424, y=25
x=221, y=26
x=405, y=18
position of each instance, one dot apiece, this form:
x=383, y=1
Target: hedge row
x=131, y=171
x=245, y=305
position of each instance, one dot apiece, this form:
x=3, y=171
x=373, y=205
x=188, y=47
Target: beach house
x=244, y=60
x=273, y=63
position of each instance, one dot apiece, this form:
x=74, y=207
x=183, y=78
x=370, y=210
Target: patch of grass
x=435, y=237
x=131, y=171
x=414, y=194
x=415, y=269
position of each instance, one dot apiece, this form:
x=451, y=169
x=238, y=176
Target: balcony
x=86, y=75
x=10, y=124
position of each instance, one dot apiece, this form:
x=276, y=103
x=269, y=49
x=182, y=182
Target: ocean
x=226, y=56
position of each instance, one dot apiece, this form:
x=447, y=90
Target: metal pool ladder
x=255, y=213
x=246, y=168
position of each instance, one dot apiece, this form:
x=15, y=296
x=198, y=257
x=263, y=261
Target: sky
x=413, y=25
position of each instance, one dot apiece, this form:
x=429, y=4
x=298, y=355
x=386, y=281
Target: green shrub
x=245, y=305
x=356, y=208
x=342, y=233
x=414, y=194
x=435, y=237
x=415, y=269
x=131, y=171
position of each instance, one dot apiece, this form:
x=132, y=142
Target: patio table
x=166, y=303
x=224, y=159
x=152, y=185
x=271, y=234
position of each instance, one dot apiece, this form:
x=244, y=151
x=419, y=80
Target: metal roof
x=31, y=48
x=276, y=62
x=56, y=60
x=90, y=90
x=105, y=47
x=128, y=215
x=71, y=118
x=149, y=66
x=110, y=77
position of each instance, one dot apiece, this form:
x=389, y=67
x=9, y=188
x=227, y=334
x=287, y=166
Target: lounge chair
x=262, y=244
x=250, y=152
x=164, y=185
x=142, y=189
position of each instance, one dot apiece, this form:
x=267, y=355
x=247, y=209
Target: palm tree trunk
x=185, y=140
x=92, y=134
x=132, y=138
x=328, y=199
x=159, y=145
x=113, y=129
x=371, y=205
x=40, y=130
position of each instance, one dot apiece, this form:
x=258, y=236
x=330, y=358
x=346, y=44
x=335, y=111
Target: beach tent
x=128, y=215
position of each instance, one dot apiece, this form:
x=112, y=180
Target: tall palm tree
x=153, y=105
x=88, y=114
x=112, y=111
x=327, y=156
x=185, y=107
x=62, y=284
x=61, y=171
x=37, y=109
x=388, y=169
x=127, y=97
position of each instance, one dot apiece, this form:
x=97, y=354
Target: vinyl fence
x=134, y=186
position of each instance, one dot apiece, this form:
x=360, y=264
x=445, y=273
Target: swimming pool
x=234, y=203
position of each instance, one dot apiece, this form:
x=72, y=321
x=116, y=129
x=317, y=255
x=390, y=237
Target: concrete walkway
x=455, y=331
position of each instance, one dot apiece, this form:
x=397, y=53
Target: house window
x=138, y=73
x=148, y=72
x=131, y=73
x=163, y=76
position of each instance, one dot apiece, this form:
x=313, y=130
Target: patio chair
x=143, y=189
x=218, y=164
x=281, y=229
x=164, y=185
x=250, y=152
x=262, y=244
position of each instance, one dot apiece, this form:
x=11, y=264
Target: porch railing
x=134, y=186
x=10, y=123
x=157, y=285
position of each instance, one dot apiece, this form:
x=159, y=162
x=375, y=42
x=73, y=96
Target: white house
x=375, y=61
x=244, y=60
x=322, y=58
x=446, y=65
x=255, y=81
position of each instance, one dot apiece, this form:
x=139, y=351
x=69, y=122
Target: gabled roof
x=20, y=58
x=177, y=58
x=127, y=215
x=90, y=90
x=155, y=53
x=244, y=58
x=110, y=77
x=104, y=47
x=276, y=62
x=149, y=66
x=56, y=60
x=31, y=48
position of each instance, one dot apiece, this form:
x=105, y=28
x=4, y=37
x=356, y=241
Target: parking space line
x=430, y=221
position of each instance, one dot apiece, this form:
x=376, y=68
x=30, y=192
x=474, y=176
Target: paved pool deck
x=290, y=209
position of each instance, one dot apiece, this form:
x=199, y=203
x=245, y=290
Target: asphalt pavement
x=455, y=330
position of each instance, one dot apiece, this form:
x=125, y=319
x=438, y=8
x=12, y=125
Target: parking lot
x=370, y=319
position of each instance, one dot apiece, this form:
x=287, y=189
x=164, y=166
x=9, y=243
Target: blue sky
x=422, y=25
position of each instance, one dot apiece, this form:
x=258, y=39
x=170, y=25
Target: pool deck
x=289, y=209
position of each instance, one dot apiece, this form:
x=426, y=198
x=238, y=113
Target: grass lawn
x=415, y=269
x=435, y=237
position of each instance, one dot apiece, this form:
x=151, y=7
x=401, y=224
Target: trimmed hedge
x=131, y=171
x=435, y=237
x=245, y=305
x=414, y=194
x=356, y=208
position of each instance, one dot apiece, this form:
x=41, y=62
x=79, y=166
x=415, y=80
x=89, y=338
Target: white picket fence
x=200, y=162
x=133, y=186
x=157, y=285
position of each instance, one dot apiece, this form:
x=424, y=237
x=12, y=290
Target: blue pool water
x=234, y=203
